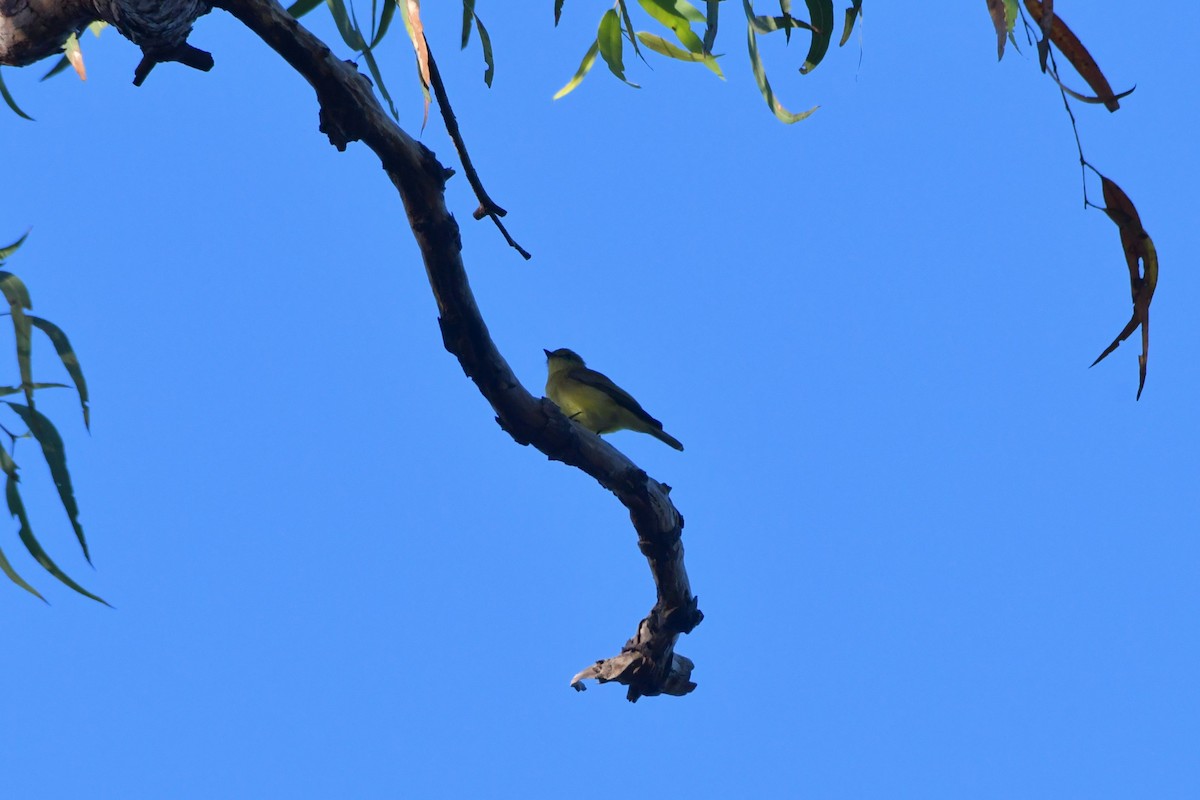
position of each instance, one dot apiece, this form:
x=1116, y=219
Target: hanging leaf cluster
x=360, y=40
x=365, y=41
x=1053, y=31
x=1052, y=35
x=677, y=17
x=38, y=427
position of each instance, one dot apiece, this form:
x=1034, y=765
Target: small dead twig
x=487, y=206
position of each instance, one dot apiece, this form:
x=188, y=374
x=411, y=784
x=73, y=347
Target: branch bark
x=31, y=30
x=349, y=111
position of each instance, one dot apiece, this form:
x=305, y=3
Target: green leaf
x=348, y=30
x=681, y=8
x=8, y=98
x=7, y=464
x=611, y=44
x=385, y=22
x=852, y=13
x=760, y=74
x=661, y=46
x=5, y=391
x=771, y=24
x=669, y=14
x=17, y=509
x=13, y=288
x=589, y=58
x=58, y=67
x=629, y=29
x=468, y=15
x=8, y=570
x=302, y=7
x=558, y=4
x=17, y=295
x=710, y=28
x=489, y=70
x=820, y=13
x=47, y=436
x=10, y=468
x=66, y=354
x=378, y=76
x=8, y=250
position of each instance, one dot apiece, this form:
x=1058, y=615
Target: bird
x=594, y=401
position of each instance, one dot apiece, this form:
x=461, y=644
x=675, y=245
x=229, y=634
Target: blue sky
x=937, y=555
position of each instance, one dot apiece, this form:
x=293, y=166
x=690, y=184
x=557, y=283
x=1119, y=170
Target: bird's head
x=564, y=356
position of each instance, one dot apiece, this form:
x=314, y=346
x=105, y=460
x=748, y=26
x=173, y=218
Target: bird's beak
x=547, y=352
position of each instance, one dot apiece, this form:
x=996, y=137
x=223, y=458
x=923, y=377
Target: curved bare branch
x=349, y=112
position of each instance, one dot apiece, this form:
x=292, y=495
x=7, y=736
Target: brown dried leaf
x=416, y=32
x=1120, y=209
x=1141, y=258
x=1083, y=98
x=1070, y=46
x=996, y=9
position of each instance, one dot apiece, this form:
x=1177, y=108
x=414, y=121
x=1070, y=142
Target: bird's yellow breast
x=590, y=407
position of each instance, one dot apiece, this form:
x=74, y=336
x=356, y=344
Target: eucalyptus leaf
x=17, y=509
x=302, y=7
x=669, y=15
x=760, y=74
x=66, y=354
x=853, y=12
x=12, y=103
x=8, y=250
x=348, y=30
x=467, y=17
x=60, y=65
x=713, y=8
x=47, y=436
x=373, y=67
x=764, y=24
x=385, y=22
x=489, y=71
x=17, y=295
x=661, y=46
x=589, y=59
x=5, y=391
x=8, y=570
x=611, y=44
x=629, y=28
x=820, y=14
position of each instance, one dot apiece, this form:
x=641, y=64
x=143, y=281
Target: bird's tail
x=663, y=436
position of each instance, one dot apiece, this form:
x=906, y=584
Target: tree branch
x=34, y=29
x=349, y=112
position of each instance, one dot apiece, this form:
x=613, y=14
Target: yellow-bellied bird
x=594, y=401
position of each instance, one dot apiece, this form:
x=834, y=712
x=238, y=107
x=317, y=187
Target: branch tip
x=184, y=54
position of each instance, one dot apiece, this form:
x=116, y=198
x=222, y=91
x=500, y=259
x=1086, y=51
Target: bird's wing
x=597, y=380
